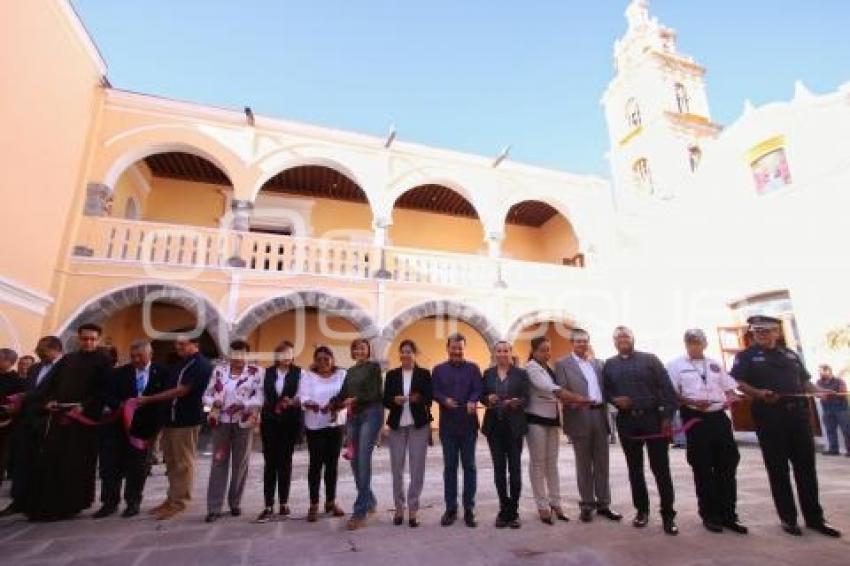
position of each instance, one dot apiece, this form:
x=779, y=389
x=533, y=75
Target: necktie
x=140, y=382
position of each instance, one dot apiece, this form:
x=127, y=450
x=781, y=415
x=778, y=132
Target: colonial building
x=155, y=216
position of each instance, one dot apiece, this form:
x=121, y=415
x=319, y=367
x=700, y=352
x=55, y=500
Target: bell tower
x=657, y=112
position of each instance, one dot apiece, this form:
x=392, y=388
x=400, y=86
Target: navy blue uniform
x=783, y=428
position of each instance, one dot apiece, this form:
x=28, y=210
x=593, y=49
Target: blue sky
x=472, y=75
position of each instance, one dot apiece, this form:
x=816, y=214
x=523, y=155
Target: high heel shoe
x=559, y=514
x=545, y=516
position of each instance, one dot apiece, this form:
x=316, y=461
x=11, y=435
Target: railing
x=134, y=241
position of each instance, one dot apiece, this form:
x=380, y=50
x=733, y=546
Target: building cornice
x=18, y=294
x=134, y=101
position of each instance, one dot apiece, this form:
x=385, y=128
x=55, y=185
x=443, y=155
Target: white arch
x=134, y=145
x=428, y=175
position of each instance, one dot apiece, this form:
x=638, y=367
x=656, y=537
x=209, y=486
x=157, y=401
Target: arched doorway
x=307, y=319
x=555, y=326
x=154, y=312
x=537, y=231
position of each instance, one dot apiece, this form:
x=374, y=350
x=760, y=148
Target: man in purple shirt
x=457, y=387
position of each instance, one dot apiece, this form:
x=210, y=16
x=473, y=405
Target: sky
x=470, y=75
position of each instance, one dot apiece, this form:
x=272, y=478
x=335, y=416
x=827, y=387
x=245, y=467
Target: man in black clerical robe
x=62, y=481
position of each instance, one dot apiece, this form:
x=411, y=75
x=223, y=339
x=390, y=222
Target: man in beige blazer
x=586, y=424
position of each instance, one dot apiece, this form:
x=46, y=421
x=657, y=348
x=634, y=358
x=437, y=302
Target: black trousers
x=630, y=426
x=279, y=441
x=786, y=437
x=713, y=456
x=120, y=462
x=506, y=451
x=323, y=446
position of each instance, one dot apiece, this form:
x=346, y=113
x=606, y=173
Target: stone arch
x=561, y=207
x=468, y=314
x=100, y=308
x=537, y=317
x=126, y=148
x=338, y=306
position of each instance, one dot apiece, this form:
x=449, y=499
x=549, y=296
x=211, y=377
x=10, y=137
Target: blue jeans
x=363, y=429
x=832, y=421
x=462, y=447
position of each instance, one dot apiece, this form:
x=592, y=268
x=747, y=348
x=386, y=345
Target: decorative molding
x=20, y=295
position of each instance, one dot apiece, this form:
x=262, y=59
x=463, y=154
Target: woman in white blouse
x=544, y=424
x=323, y=428
x=235, y=396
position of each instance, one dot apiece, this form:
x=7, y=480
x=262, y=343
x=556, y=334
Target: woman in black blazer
x=408, y=395
x=505, y=394
x=280, y=427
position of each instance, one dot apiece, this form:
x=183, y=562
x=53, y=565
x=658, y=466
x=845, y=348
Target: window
x=694, y=157
x=633, y=113
x=682, y=100
x=771, y=171
x=642, y=176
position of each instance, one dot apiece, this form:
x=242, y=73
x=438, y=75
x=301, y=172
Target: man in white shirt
x=705, y=390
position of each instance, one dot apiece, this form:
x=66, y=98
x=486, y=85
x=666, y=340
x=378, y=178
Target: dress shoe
x=558, y=513
x=792, y=529
x=670, y=526
x=609, y=514
x=105, y=511
x=469, y=518
x=448, y=519
x=830, y=453
x=266, y=515
x=413, y=522
x=212, y=517
x=284, y=509
x=9, y=510
x=825, y=528
x=354, y=523
x=236, y=511
x=585, y=516
x=640, y=520
x=514, y=522
x=130, y=511
x=158, y=508
x=712, y=526
x=736, y=527
x=398, y=519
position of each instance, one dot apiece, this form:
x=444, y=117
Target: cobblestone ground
x=232, y=541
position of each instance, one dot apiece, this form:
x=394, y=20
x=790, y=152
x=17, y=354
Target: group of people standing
x=78, y=409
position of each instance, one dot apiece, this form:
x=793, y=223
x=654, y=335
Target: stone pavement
x=233, y=541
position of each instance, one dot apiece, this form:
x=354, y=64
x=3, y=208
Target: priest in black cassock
x=63, y=469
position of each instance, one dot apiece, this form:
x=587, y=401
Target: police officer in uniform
x=704, y=390
x=775, y=378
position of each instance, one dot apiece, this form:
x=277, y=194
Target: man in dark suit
x=49, y=351
x=586, y=423
x=119, y=458
x=280, y=427
x=505, y=393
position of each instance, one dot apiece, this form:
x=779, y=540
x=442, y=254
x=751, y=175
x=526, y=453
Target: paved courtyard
x=233, y=541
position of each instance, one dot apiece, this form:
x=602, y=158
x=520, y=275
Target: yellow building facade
x=152, y=216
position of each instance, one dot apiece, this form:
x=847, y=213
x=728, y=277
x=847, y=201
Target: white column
x=494, y=243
